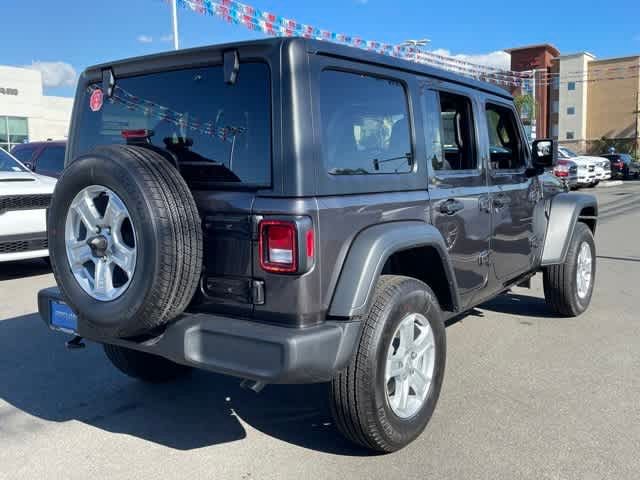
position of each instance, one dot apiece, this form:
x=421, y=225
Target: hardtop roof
x=319, y=47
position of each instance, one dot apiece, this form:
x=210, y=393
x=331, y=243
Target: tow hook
x=75, y=343
x=252, y=385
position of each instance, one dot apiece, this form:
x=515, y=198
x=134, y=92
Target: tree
x=526, y=106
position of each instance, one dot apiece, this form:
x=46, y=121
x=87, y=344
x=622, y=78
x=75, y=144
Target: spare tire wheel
x=125, y=240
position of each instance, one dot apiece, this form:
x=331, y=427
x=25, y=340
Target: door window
x=505, y=145
x=51, y=160
x=455, y=147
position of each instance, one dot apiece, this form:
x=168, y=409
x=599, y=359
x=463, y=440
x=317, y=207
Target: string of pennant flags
x=271, y=24
x=151, y=109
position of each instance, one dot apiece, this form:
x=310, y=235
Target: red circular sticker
x=95, y=101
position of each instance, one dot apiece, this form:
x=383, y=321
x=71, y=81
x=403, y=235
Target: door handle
x=451, y=206
x=500, y=201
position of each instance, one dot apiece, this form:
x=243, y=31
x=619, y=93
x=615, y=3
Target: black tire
x=358, y=394
x=166, y=222
x=144, y=366
x=560, y=284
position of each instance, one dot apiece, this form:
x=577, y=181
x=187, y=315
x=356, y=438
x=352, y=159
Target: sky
x=62, y=37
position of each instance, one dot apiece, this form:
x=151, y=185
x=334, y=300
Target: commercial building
x=26, y=114
x=539, y=59
x=587, y=104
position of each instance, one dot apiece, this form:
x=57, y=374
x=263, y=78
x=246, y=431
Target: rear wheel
x=144, y=366
x=568, y=287
x=384, y=399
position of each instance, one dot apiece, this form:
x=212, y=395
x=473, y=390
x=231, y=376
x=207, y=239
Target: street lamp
x=416, y=44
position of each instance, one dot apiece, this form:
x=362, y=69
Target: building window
x=571, y=110
x=554, y=131
x=571, y=86
x=13, y=131
x=571, y=135
x=556, y=83
x=555, y=106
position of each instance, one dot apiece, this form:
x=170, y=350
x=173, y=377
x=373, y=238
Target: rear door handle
x=500, y=201
x=451, y=206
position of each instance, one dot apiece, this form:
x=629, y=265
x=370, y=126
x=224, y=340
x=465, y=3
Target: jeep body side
x=374, y=166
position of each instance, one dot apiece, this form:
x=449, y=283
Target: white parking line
x=613, y=183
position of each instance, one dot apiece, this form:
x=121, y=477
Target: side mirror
x=544, y=153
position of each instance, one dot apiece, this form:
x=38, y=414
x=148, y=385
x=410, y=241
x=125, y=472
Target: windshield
x=9, y=164
x=23, y=153
x=567, y=153
x=217, y=132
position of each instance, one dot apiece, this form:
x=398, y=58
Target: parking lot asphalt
x=526, y=395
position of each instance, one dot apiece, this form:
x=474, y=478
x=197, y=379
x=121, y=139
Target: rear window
x=219, y=133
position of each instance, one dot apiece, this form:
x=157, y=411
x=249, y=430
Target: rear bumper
x=243, y=348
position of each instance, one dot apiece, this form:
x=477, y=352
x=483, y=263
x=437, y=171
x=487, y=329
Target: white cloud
x=56, y=74
x=497, y=59
x=166, y=38
x=145, y=38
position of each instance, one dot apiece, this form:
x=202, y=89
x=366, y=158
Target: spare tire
x=125, y=240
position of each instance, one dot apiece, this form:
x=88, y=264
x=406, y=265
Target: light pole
x=416, y=44
x=174, y=20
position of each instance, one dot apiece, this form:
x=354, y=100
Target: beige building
x=596, y=103
x=26, y=114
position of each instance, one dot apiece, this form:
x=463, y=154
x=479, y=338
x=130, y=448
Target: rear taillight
x=310, y=244
x=561, y=170
x=141, y=134
x=278, y=247
x=286, y=245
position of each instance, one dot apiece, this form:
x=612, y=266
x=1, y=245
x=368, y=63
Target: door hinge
x=257, y=292
x=484, y=258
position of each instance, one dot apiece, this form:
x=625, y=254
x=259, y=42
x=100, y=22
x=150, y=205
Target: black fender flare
x=367, y=256
x=564, y=212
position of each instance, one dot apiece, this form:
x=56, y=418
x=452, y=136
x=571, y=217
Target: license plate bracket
x=62, y=317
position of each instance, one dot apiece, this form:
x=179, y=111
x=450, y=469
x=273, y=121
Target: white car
x=590, y=170
x=24, y=198
x=605, y=165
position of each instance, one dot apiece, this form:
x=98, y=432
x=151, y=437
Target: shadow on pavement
x=23, y=269
x=39, y=377
x=521, y=305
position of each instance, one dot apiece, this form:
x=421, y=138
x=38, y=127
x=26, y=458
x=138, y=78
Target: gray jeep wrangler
x=293, y=211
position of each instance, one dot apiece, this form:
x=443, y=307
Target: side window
x=51, y=160
x=455, y=139
x=505, y=146
x=365, y=122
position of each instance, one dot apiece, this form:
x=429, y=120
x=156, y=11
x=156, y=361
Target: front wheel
x=384, y=399
x=568, y=286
